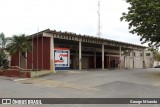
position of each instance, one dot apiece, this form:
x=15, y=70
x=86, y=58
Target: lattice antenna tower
x=99, y=20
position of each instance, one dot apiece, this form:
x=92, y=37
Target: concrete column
x=102, y=56
x=129, y=60
x=32, y=52
x=80, y=55
x=19, y=59
x=143, y=59
x=42, y=53
x=76, y=59
x=120, y=57
x=133, y=57
x=26, y=61
x=125, y=58
x=37, y=52
x=94, y=59
x=52, y=66
x=109, y=61
x=8, y=58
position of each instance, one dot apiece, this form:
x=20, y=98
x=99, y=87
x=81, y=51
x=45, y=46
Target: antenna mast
x=99, y=23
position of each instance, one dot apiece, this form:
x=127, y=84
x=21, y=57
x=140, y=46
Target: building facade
x=85, y=52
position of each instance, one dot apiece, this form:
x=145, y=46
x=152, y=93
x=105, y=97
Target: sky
x=77, y=16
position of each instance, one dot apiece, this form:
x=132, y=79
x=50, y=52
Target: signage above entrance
x=62, y=58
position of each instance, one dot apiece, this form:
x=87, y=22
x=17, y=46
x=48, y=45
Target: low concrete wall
x=155, y=63
x=23, y=74
x=15, y=73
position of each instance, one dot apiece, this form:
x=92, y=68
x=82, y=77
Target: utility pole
x=99, y=22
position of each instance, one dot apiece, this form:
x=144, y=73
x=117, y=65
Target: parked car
x=158, y=66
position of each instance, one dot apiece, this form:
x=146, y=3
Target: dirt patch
x=53, y=83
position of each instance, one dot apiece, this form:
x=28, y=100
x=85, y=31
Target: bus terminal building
x=55, y=50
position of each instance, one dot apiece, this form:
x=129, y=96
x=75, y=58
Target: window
x=147, y=54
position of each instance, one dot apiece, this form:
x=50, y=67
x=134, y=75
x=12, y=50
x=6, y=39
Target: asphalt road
x=137, y=83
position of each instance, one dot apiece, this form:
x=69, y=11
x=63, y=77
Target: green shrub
x=3, y=61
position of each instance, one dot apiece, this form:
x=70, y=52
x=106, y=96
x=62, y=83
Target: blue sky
x=78, y=16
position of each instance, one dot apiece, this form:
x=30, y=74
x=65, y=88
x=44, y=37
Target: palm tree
x=3, y=40
x=21, y=44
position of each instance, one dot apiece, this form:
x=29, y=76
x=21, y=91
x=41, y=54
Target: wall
x=22, y=62
x=138, y=59
x=35, y=49
x=41, y=55
x=85, y=62
x=29, y=60
x=135, y=60
x=148, y=59
x=46, y=53
x=40, y=52
x=15, y=59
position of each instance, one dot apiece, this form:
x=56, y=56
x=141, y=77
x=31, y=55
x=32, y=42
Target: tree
x=153, y=49
x=156, y=56
x=3, y=40
x=19, y=43
x=156, y=53
x=144, y=20
x=3, y=61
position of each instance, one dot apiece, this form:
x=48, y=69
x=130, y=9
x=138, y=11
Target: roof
x=87, y=36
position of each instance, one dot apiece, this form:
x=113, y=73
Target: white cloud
x=79, y=16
